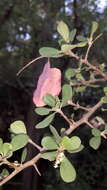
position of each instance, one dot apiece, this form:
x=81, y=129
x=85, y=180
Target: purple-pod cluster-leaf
x=49, y=83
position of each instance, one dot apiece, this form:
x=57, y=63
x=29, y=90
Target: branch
x=89, y=82
x=84, y=119
x=64, y=116
x=35, y=145
x=78, y=106
x=88, y=49
x=84, y=61
x=20, y=168
x=92, y=67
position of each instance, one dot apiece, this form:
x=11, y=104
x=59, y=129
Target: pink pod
x=49, y=82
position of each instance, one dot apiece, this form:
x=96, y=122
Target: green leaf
x=1, y=144
x=18, y=127
x=67, y=171
x=94, y=28
x=49, y=143
x=58, y=103
x=42, y=111
x=105, y=90
x=81, y=38
x=99, y=119
x=66, y=143
x=49, y=100
x=102, y=68
x=4, y=173
x=7, y=150
x=82, y=44
x=19, y=141
x=66, y=47
x=62, y=130
x=66, y=93
x=95, y=142
x=1, y=141
x=63, y=30
x=79, y=76
x=24, y=155
x=72, y=34
x=61, y=41
x=72, y=143
x=69, y=73
x=104, y=100
x=46, y=121
x=96, y=132
x=80, y=89
x=106, y=126
x=75, y=143
x=55, y=134
x=77, y=150
x=49, y=52
x=51, y=156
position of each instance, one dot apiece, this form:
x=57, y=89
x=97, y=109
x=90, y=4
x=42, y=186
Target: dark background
x=25, y=26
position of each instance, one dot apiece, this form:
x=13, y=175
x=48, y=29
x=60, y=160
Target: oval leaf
x=46, y=121
x=7, y=150
x=96, y=132
x=75, y=142
x=105, y=90
x=19, y=141
x=63, y=30
x=42, y=111
x=18, y=127
x=72, y=34
x=4, y=173
x=95, y=142
x=66, y=47
x=104, y=100
x=51, y=156
x=1, y=144
x=81, y=38
x=82, y=44
x=66, y=143
x=77, y=150
x=55, y=134
x=106, y=126
x=66, y=93
x=94, y=28
x=49, y=143
x=49, y=52
x=69, y=73
x=24, y=155
x=67, y=171
x=49, y=100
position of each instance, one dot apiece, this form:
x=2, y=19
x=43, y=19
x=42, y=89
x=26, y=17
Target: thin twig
x=64, y=116
x=94, y=68
x=88, y=49
x=89, y=82
x=35, y=145
x=97, y=37
x=86, y=62
x=28, y=64
x=84, y=119
x=78, y=106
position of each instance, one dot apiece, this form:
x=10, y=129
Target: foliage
x=58, y=145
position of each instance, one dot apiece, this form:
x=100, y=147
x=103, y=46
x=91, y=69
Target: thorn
x=35, y=166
